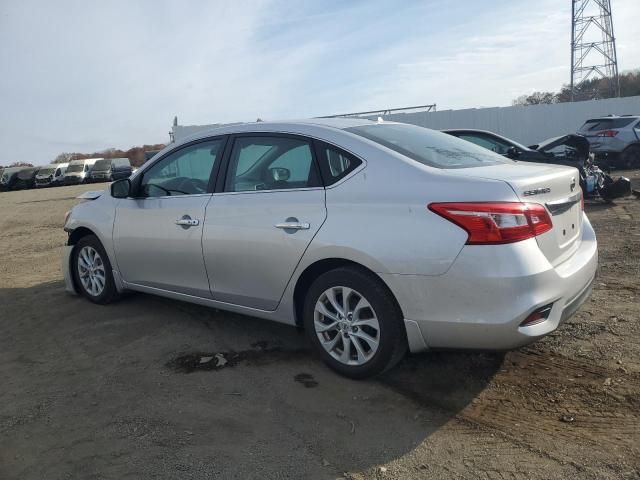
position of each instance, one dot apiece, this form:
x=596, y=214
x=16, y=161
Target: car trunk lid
x=555, y=187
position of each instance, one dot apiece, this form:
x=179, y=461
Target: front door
x=259, y=227
x=158, y=235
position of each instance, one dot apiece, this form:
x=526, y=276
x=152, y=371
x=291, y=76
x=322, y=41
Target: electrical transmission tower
x=593, y=46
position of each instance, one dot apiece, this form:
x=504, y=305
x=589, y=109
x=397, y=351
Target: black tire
x=392, y=344
x=109, y=292
x=631, y=157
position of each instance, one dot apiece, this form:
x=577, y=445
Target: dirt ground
x=119, y=392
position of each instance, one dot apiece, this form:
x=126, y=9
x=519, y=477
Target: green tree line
x=593, y=89
x=135, y=154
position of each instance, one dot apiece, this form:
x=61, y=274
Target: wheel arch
x=319, y=267
x=77, y=233
x=632, y=146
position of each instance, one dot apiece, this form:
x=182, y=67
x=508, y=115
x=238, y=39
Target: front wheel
x=354, y=323
x=92, y=271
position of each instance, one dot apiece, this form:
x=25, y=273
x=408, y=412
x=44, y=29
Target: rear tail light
x=496, y=222
x=607, y=133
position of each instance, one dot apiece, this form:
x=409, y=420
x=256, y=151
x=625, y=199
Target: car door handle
x=293, y=226
x=188, y=222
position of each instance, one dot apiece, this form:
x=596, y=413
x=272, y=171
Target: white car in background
x=51, y=175
x=375, y=237
x=79, y=171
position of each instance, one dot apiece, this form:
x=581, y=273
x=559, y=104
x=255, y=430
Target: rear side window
x=487, y=142
x=605, y=124
x=335, y=164
x=270, y=163
x=429, y=147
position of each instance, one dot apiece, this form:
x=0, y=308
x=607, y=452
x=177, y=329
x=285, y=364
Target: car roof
x=612, y=117
x=275, y=126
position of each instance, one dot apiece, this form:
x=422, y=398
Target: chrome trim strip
x=560, y=206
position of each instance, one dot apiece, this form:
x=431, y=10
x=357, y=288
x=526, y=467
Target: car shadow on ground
x=150, y=386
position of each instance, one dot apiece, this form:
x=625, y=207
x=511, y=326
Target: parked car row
x=87, y=170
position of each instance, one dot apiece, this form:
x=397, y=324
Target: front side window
x=429, y=147
x=270, y=163
x=184, y=172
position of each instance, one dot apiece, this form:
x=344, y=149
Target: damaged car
x=571, y=150
x=376, y=238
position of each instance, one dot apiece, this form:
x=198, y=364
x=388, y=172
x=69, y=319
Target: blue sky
x=88, y=75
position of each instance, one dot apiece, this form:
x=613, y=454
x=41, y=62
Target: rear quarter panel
x=380, y=219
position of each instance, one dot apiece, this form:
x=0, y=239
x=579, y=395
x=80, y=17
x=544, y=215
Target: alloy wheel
x=346, y=325
x=91, y=271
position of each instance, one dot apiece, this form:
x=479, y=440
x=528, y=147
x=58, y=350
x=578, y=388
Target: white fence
x=527, y=125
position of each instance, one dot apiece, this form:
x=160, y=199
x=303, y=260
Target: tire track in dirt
x=533, y=392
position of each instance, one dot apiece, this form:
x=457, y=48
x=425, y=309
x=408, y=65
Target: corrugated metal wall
x=527, y=125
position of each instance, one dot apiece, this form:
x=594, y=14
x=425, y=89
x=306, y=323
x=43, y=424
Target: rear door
x=158, y=235
x=270, y=205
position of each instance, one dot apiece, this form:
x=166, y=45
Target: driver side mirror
x=513, y=152
x=121, y=188
x=280, y=174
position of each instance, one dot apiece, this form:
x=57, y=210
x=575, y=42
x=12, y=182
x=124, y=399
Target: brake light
x=496, y=222
x=607, y=133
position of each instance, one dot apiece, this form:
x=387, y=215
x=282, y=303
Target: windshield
x=428, y=147
x=78, y=167
x=47, y=170
x=102, y=165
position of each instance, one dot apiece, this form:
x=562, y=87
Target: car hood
x=579, y=142
x=92, y=195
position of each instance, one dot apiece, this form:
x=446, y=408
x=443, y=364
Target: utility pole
x=593, y=46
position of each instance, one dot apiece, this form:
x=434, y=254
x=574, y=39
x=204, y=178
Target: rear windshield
x=429, y=147
x=78, y=167
x=605, y=124
x=102, y=165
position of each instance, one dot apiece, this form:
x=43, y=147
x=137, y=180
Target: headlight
x=66, y=218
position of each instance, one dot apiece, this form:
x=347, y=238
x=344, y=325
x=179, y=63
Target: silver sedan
x=376, y=237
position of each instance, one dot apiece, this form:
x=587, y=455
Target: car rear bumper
x=481, y=301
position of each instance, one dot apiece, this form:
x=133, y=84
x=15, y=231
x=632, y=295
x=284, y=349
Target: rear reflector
x=496, y=222
x=539, y=316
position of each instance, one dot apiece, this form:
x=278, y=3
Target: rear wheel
x=354, y=323
x=631, y=156
x=92, y=271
